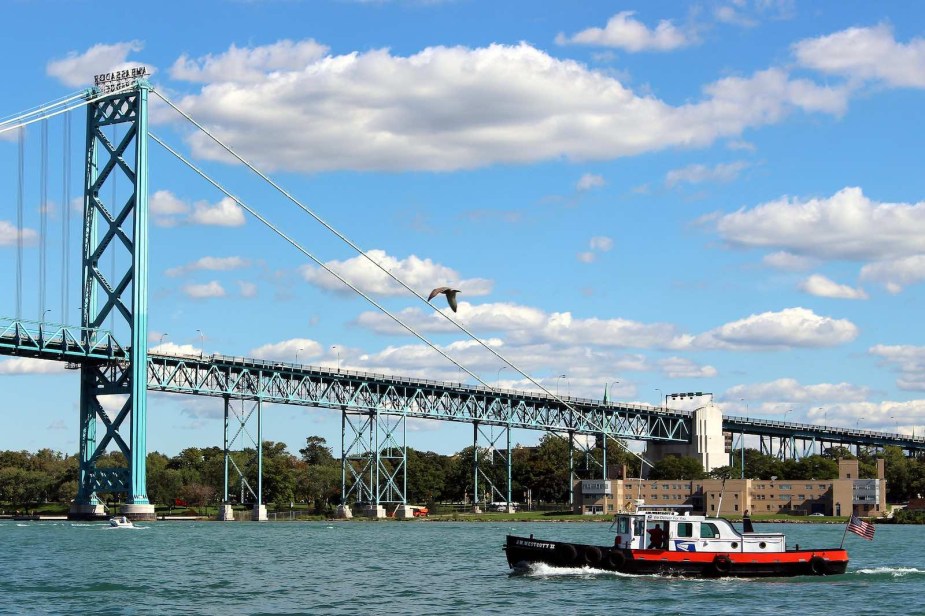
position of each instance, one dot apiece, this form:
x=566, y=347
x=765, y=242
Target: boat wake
x=892, y=571
x=544, y=570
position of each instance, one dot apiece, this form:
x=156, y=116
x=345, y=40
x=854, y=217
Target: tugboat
x=670, y=540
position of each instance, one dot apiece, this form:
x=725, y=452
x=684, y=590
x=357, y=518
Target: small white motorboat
x=122, y=522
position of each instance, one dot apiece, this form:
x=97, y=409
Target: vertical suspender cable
x=112, y=244
x=43, y=219
x=19, y=199
x=66, y=220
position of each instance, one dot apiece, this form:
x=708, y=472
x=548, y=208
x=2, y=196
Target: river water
x=413, y=567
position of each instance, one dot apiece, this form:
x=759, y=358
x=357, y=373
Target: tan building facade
x=843, y=496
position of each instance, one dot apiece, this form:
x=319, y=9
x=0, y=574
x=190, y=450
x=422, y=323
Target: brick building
x=843, y=496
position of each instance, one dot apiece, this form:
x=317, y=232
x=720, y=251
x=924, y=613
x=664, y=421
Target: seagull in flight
x=450, y=295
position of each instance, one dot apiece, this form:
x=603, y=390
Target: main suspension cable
x=363, y=253
x=23, y=120
x=311, y=256
x=355, y=247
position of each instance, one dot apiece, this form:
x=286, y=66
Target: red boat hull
x=524, y=551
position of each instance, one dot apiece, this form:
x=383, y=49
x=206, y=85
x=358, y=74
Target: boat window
x=638, y=527
x=708, y=530
x=685, y=529
x=623, y=525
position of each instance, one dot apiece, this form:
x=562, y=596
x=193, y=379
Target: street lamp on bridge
x=202, y=343
x=161, y=343
x=498, y=379
x=558, y=379
x=612, y=389
x=786, y=412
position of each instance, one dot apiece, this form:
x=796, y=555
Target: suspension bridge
x=109, y=348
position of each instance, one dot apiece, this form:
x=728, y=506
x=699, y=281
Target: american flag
x=860, y=527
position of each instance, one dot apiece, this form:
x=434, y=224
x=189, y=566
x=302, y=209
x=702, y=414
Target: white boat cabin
x=674, y=528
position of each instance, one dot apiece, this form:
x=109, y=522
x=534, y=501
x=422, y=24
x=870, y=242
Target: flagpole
x=845, y=534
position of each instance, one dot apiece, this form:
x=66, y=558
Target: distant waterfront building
x=849, y=494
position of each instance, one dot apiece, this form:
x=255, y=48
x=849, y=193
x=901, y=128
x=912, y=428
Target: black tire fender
x=722, y=564
x=817, y=565
x=591, y=555
x=616, y=559
x=566, y=553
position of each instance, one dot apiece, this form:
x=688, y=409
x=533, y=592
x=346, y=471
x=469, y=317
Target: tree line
x=312, y=477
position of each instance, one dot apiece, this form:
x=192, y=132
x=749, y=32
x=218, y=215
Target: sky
x=655, y=197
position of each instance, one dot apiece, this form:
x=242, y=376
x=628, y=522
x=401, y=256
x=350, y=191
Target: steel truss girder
x=60, y=342
x=364, y=392
x=124, y=298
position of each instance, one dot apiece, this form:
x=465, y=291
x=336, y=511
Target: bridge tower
x=115, y=288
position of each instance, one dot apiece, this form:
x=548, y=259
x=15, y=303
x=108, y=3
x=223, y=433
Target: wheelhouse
x=675, y=528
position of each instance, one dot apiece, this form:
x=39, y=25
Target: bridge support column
x=243, y=418
x=373, y=463
x=115, y=394
x=488, y=474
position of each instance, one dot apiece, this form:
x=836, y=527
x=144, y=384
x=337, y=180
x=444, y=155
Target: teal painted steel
x=120, y=296
x=56, y=341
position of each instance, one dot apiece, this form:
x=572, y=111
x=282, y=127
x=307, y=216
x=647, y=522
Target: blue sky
x=655, y=197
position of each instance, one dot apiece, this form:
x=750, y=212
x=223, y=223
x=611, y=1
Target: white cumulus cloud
x=589, y=181
x=289, y=350
x=820, y=286
x=894, y=274
x=908, y=359
x=374, y=110
x=792, y=327
x=222, y=264
x=866, y=53
x=9, y=235
x=696, y=174
x=225, y=213
x=625, y=32
x=684, y=368
x=420, y=274
x=30, y=365
x=249, y=64
x=77, y=69
x=836, y=227
x=204, y=291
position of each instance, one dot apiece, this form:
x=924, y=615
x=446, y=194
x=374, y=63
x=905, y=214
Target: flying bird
x=450, y=295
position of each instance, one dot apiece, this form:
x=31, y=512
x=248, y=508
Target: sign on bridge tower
x=115, y=295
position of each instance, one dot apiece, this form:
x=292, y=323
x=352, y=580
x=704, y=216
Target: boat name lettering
x=536, y=544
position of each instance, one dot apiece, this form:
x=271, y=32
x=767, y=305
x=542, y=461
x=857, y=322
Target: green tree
x=677, y=467
x=316, y=451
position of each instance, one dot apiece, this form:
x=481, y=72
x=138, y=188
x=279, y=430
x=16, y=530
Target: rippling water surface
x=414, y=567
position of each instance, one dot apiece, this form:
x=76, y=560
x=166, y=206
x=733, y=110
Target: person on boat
x=656, y=538
x=747, y=523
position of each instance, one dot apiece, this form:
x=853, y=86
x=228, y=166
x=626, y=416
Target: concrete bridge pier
x=138, y=512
